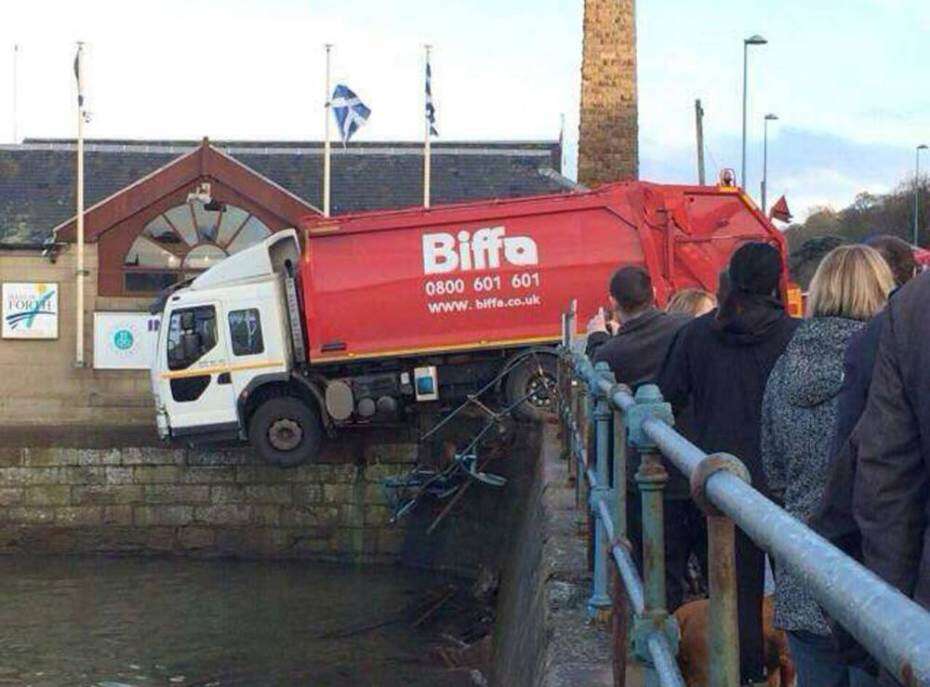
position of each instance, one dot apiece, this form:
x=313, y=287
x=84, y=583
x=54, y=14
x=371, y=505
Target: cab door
x=195, y=379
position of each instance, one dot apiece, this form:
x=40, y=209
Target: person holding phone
x=632, y=337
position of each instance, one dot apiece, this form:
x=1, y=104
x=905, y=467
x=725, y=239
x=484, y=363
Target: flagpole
x=16, y=93
x=326, y=149
x=426, y=141
x=79, y=322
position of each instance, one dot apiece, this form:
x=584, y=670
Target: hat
x=755, y=268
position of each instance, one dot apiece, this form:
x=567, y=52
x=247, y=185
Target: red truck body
x=498, y=274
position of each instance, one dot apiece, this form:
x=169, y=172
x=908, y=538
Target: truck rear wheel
x=534, y=380
x=286, y=431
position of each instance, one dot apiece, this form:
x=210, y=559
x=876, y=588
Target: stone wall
x=543, y=634
x=39, y=383
x=608, y=136
x=480, y=532
x=211, y=503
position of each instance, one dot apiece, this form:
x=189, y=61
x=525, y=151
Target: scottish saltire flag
x=349, y=110
x=430, y=108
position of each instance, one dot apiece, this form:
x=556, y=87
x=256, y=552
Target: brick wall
x=157, y=500
x=608, y=136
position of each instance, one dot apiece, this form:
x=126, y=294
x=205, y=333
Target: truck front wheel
x=286, y=431
x=531, y=388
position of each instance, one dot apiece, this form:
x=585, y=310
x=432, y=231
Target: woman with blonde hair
x=694, y=302
x=799, y=411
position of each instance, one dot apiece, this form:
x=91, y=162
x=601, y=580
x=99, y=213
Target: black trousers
x=685, y=533
x=750, y=587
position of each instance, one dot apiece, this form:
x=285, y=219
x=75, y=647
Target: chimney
x=608, y=138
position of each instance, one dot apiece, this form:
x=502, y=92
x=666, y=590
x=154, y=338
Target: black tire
x=285, y=431
x=534, y=379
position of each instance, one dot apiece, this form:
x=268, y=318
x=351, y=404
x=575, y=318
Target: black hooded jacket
x=720, y=362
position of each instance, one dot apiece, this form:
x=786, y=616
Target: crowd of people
x=830, y=414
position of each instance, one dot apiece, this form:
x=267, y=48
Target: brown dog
x=694, y=651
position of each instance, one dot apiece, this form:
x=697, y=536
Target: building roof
x=37, y=176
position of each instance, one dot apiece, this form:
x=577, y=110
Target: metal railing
x=595, y=409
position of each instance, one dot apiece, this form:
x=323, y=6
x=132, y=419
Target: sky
x=847, y=78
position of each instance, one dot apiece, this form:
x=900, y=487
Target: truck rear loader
x=371, y=318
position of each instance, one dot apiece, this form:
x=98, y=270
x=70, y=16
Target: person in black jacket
x=891, y=489
x=720, y=363
x=635, y=354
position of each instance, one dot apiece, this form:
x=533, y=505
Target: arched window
x=185, y=240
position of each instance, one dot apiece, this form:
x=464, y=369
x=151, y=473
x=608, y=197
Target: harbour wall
x=218, y=502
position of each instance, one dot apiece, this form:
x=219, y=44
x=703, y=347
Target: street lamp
x=922, y=146
x=765, y=156
x=752, y=40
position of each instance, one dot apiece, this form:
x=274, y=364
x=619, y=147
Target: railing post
x=581, y=418
x=566, y=374
x=724, y=619
x=721, y=554
x=619, y=476
x=600, y=603
x=620, y=619
x=651, y=479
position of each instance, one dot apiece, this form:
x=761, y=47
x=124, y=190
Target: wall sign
x=30, y=310
x=124, y=340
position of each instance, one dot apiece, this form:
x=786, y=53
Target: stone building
x=144, y=230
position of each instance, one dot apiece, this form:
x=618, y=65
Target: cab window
x=191, y=335
x=245, y=332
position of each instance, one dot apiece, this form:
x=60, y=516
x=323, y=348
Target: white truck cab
x=225, y=335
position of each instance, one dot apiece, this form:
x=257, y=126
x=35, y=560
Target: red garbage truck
x=370, y=318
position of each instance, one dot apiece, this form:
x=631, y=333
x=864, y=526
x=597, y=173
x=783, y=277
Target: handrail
x=892, y=627
x=657, y=643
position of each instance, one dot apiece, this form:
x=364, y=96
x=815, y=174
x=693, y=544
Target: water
x=120, y=622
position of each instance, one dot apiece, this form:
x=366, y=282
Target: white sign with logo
x=30, y=310
x=124, y=340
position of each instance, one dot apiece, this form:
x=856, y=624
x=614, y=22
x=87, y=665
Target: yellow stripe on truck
x=457, y=348
x=219, y=369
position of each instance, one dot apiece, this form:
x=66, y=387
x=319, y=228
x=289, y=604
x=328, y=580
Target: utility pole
x=765, y=158
x=699, y=128
x=922, y=146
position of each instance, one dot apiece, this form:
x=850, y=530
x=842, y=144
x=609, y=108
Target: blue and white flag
x=349, y=110
x=430, y=108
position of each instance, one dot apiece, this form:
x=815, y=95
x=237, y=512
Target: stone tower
x=608, y=138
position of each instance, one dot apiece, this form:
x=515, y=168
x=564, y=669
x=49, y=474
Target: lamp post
x=765, y=156
x=922, y=146
x=752, y=40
